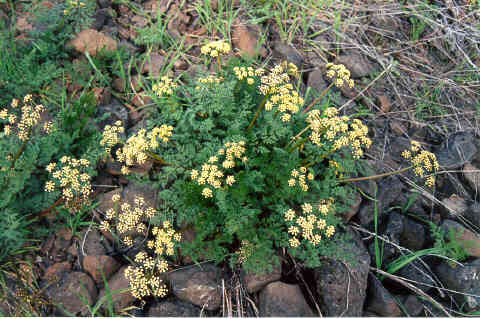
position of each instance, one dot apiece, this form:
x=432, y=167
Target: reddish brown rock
x=119, y=288
x=73, y=293
x=153, y=64
x=246, y=39
x=256, y=282
x=96, y=265
x=283, y=300
x=54, y=271
x=93, y=42
x=385, y=104
x=198, y=285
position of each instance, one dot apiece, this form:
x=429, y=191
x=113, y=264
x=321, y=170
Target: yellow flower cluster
x=70, y=176
x=134, y=150
x=211, y=173
x=300, y=177
x=110, y=136
x=164, y=87
x=30, y=117
x=309, y=226
x=216, y=48
x=144, y=278
x=164, y=239
x=247, y=73
x=245, y=251
x=211, y=79
x=73, y=4
x=339, y=74
x=338, y=130
x=127, y=219
x=423, y=162
x=280, y=92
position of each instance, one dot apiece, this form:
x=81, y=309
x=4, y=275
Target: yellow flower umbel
x=299, y=178
x=213, y=175
x=310, y=226
x=247, y=73
x=126, y=219
x=164, y=87
x=164, y=239
x=111, y=136
x=423, y=162
x=30, y=116
x=338, y=131
x=73, y=5
x=216, y=48
x=339, y=75
x=144, y=278
x=279, y=92
x=71, y=177
x=137, y=148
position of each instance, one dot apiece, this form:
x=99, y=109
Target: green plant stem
x=19, y=153
x=219, y=63
x=318, y=99
x=298, y=144
x=156, y=158
x=260, y=108
x=366, y=178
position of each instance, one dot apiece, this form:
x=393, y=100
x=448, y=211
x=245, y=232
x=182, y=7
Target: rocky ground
x=403, y=82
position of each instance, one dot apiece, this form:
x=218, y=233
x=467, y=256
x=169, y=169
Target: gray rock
x=92, y=243
x=199, y=285
x=454, y=207
x=389, y=191
x=337, y=283
x=288, y=53
x=282, y=300
x=316, y=80
x=379, y=300
x=117, y=113
x=173, y=308
x=412, y=305
x=456, y=150
x=464, y=279
x=472, y=175
x=417, y=272
x=413, y=236
x=358, y=65
x=473, y=213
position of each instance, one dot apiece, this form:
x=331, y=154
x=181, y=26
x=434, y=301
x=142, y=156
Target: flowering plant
x=247, y=170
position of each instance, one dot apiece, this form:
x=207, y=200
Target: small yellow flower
x=207, y=193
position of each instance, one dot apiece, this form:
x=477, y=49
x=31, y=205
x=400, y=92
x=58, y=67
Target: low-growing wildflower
x=299, y=177
x=310, y=226
x=164, y=86
x=30, y=116
x=248, y=73
x=281, y=94
x=423, y=162
x=126, y=219
x=164, y=239
x=144, y=278
x=339, y=74
x=71, y=177
x=110, y=136
x=134, y=151
x=339, y=131
x=216, y=48
x=213, y=175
